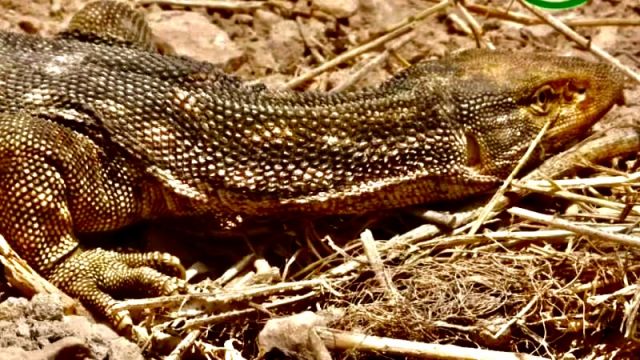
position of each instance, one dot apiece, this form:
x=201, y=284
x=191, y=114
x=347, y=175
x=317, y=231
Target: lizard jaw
x=601, y=88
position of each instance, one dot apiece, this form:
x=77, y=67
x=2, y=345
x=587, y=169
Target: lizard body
x=99, y=131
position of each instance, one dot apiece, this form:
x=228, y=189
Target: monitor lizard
x=98, y=131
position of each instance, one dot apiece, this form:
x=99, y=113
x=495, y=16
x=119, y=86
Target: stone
x=380, y=14
x=192, y=34
x=337, y=8
x=38, y=329
x=294, y=337
x=286, y=45
x=47, y=307
x=122, y=348
x=263, y=20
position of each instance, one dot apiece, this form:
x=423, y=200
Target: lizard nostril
x=577, y=87
x=575, y=90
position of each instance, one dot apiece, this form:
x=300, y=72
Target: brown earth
x=283, y=39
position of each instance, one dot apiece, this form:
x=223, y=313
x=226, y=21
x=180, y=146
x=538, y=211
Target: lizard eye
x=541, y=100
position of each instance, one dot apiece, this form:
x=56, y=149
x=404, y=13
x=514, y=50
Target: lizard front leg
x=55, y=183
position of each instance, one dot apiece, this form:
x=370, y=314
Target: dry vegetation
x=548, y=269
x=555, y=278
x=554, y=286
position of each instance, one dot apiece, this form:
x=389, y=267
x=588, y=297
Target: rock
x=263, y=20
x=380, y=14
x=607, y=37
x=541, y=32
x=38, y=329
x=192, y=34
x=44, y=309
x=14, y=308
x=67, y=348
x=79, y=326
x=13, y=353
x=122, y=348
x=294, y=336
x=260, y=60
x=337, y=8
x=286, y=45
x=22, y=329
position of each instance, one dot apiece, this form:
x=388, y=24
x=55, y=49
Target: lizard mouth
x=573, y=122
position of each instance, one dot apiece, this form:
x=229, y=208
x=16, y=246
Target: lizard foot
x=97, y=277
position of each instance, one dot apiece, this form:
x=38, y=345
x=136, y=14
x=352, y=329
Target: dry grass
x=525, y=283
x=555, y=280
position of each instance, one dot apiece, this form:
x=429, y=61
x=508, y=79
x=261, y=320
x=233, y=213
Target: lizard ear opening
x=474, y=156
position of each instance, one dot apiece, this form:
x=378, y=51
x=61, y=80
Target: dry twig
x=368, y=46
x=525, y=19
x=481, y=41
x=376, y=61
x=21, y=276
x=371, y=250
x=342, y=340
x=233, y=5
x=500, y=193
x=580, y=40
x=622, y=239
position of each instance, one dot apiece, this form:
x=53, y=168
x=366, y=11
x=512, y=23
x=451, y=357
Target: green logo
x=557, y=4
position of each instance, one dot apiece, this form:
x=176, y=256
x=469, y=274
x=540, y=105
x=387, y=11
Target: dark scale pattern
x=110, y=23
x=97, y=136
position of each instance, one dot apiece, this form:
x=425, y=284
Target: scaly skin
x=97, y=131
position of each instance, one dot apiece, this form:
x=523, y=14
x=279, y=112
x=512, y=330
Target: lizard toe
x=162, y=262
x=98, y=278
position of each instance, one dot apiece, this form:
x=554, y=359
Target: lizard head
x=505, y=98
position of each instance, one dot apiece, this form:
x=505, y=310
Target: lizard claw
x=99, y=277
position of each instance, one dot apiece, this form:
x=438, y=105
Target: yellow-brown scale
x=98, y=131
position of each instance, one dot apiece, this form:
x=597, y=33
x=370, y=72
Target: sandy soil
x=277, y=43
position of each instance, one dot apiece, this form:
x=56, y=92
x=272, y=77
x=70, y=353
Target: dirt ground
x=276, y=42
